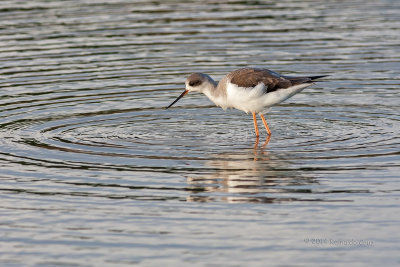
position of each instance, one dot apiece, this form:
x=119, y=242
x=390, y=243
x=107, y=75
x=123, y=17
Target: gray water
x=95, y=172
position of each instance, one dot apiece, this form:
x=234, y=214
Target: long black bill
x=179, y=97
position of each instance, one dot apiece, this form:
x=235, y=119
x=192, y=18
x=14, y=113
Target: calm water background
x=94, y=172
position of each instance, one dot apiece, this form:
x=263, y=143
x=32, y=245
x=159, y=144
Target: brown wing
x=250, y=77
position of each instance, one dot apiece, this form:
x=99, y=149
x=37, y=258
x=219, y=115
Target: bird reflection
x=265, y=143
x=255, y=175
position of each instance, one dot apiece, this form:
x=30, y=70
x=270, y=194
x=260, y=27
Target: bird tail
x=317, y=77
x=303, y=79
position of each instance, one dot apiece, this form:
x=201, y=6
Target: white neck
x=213, y=92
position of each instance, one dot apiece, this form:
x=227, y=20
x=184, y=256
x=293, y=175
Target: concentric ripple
x=202, y=143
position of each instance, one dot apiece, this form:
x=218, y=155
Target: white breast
x=255, y=99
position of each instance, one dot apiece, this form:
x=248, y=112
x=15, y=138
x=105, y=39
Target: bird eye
x=195, y=83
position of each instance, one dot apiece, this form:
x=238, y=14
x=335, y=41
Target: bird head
x=196, y=82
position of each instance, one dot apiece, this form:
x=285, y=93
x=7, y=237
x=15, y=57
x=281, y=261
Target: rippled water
x=95, y=172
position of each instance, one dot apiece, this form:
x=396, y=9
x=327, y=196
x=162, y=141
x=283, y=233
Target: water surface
x=95, y=172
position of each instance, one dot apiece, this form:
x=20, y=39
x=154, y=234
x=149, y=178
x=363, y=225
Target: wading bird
x=248, y=89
